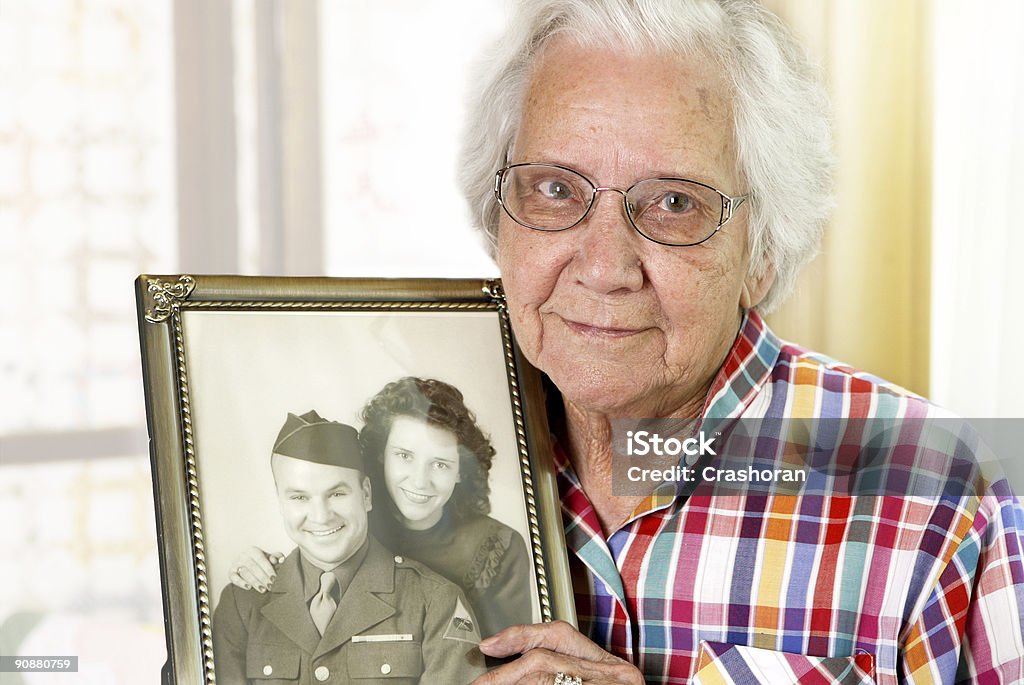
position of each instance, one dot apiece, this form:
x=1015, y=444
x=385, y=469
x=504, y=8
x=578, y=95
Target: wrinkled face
x=324, y=508
x=421, y=468
x=623, y=325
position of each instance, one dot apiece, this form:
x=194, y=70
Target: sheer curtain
x=978, y=241
x=865, y=299
x=918, y=277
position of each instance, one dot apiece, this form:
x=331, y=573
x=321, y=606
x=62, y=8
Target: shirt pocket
x=271, y=663
x=720, y=663
x=385, y=660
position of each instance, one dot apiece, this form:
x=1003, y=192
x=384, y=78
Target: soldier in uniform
x=342, y=608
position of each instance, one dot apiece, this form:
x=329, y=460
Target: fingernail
x=263, y=588
x=246, y=586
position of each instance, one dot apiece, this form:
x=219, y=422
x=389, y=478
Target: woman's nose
x=608, y=258
x=421, y=475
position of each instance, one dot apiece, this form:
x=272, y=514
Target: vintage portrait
x=364, y=504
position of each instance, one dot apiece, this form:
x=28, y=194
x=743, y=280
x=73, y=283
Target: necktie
x=323, y=605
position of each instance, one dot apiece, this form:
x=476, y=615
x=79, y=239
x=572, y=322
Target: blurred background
x=315, y=137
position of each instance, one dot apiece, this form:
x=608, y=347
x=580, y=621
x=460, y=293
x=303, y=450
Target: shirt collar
x=747, y=367
x=344, y=572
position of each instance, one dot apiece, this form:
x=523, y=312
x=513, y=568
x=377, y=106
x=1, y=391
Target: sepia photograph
x=363, y=497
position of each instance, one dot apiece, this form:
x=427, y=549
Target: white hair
x=780, y=110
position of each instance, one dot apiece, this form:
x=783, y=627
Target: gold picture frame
x=226, y=357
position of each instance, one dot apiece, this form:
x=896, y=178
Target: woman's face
x=421, y=468
x=622, y=325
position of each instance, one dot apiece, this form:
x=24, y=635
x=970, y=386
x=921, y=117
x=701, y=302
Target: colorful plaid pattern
x=803, y=589
x=720, y=663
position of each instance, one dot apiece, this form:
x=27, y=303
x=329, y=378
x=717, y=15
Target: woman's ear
x=756, y=286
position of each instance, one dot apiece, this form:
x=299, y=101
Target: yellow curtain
x=866, y=299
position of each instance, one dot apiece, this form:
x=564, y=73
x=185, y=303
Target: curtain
x=979, y=179
x=866, y=298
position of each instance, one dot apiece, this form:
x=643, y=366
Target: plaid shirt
x=799, y=589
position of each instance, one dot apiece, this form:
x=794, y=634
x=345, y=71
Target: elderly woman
x=652, y=176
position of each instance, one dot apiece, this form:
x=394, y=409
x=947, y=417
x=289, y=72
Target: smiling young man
x=342, y=606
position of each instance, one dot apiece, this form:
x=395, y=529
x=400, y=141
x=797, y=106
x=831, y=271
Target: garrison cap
x=311, y=437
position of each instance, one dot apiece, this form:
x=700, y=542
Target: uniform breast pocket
x=719, y=662
x=384, y=661
x=270, y=663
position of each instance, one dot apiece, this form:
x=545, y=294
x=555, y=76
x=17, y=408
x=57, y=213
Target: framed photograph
x=352, y=477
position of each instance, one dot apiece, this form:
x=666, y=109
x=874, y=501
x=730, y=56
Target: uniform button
x=398, y=559
x=322, y=673
x=268, y=670
x=385, y=669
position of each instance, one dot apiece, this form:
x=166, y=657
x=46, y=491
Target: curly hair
x=440, y=405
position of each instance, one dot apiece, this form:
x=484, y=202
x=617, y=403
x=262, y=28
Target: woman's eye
x=676, y=203
x=442, y=465
x=403, y=456
x=555, y=190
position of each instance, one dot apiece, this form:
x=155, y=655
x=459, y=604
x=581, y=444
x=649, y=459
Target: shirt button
x=398, y=559
x=268, y=670
x=385, y=669
x=322, y=673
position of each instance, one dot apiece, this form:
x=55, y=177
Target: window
x=140, y=136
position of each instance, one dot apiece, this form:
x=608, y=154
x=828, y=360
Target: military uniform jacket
x=398, y=622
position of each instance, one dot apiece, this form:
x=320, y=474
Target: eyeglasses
x=669, y=211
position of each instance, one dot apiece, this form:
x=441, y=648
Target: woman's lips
x=415, y=497
x=601, y=331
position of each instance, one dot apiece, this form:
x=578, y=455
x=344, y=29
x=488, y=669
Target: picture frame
x=227, y=360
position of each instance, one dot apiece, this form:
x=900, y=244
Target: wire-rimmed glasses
x=670, y=211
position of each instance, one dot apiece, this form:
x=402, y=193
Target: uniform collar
x=344, y=572
x=365, y=604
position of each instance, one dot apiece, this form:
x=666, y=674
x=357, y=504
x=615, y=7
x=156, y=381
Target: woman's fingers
x=551, y=648
x=558, y=636
x=541, y=666
x=244, y=579
x=255, y=569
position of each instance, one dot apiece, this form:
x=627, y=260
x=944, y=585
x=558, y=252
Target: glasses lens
x=545, y=197
x=675, y=212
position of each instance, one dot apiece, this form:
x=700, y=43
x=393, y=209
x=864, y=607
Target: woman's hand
x=255, y=569
x=550, y=648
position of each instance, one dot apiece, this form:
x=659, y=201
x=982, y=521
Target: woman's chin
x=620, y=395
x=591, y=391
x=418, y=519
